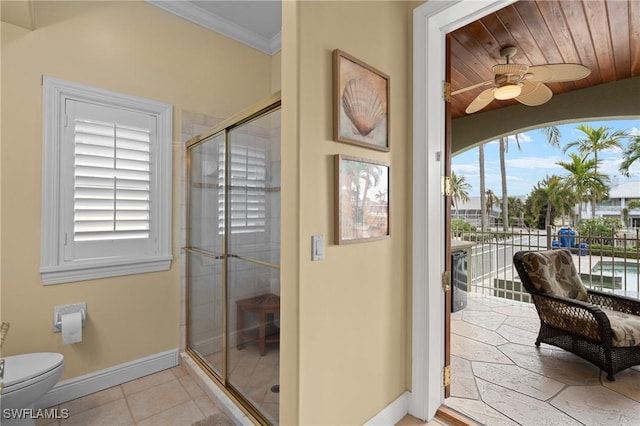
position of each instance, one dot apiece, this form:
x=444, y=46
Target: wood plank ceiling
x=602, y=35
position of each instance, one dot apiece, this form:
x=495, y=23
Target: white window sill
x=84, y=271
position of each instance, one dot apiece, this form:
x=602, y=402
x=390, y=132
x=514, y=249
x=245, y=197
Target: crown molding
x=194, y=13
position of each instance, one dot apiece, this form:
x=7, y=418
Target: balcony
x=607, y=263
x=499, y=376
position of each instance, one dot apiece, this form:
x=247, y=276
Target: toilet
x=27, y=378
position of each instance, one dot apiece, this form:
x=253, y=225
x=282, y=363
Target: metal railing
x=608, y=263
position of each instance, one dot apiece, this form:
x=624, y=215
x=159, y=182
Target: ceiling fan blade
x=473, y=86
x=534, y=94
x=551, y=73
x=481, y=101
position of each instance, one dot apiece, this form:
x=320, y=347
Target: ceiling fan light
x=508, y=91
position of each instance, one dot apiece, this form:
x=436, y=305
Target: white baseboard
x=392, y=413
x=76, y=387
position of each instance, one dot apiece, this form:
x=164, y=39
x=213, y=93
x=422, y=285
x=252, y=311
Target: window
x=106, y=208
x=248, y=189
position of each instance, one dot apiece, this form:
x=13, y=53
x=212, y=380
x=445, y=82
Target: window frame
x=243, y=152
x=53, y=268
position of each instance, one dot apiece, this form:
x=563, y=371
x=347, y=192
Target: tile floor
x=254, y=376
x=499, y=377
x=170, y=397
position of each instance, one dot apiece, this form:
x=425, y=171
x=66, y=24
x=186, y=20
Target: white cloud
x=522, y=138
x=610, y=166
x=545, y=163
x=634, y=131
x=464, y=169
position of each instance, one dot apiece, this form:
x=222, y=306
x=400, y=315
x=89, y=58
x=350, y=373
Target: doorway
x=432, y=21
x=233, y=256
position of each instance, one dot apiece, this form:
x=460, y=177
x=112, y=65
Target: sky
x=537, y=159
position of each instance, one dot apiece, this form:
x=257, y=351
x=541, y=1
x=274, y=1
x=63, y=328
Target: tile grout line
x=167, y=408
x=126, y=401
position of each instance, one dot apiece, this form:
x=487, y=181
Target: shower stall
x=233, y=256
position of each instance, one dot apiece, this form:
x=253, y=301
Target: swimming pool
x=616, y=274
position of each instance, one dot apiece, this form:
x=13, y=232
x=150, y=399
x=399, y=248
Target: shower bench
x=266, y=306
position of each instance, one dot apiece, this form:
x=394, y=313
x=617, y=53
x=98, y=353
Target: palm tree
x=371, y=174
x=516, y=209
x=492, y=199
x=633, y=204
x=553, y=137
x=552, y=196
x=541, y=199
x=459, y=189
x=355, y=174
x=630, y=155
x=625, y=216
x=504, y=147
x=594, y=141
x=583, y=178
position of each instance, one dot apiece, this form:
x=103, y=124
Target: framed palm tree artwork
x=362, y=208
x=360, y=103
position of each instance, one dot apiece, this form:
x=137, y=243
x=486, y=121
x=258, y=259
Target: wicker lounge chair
x=602, y=328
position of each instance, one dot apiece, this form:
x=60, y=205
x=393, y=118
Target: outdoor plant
x=459, y=227
x=599, y=230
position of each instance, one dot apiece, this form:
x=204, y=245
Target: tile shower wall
x=193, y=124
x=248, y=279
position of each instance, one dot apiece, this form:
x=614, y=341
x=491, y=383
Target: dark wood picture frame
x=362, y=199
x=360, y=103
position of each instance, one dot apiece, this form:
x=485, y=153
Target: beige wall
x=276, y=70
x=128, y=47
x=345, y=317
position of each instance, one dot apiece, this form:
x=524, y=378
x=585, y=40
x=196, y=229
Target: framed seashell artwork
x=360, y=103
x=362, y=208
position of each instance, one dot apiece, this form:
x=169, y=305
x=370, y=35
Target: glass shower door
x=233, y=257
x=205, y=255
x=254, y=262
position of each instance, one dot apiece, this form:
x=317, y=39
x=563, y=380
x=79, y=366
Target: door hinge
x=446, y=375
x=445, y=186
x=446, y=91
x=446, y=281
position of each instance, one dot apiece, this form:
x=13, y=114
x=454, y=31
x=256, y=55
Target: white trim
x=393, y=412
x=53, y=270
x=77, y=387
x=95, y=270
x=204, y=18
x=431, y=22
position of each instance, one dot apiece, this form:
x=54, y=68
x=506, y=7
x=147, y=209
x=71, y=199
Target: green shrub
x=609, y=250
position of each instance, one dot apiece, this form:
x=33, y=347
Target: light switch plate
x=317, y=247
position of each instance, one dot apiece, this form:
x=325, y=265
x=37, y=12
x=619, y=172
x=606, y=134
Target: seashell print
x=363, y=105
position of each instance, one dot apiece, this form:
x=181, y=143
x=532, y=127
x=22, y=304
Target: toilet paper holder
x=59, y=311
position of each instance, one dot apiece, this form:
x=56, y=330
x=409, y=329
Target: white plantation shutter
x=109, y=209
x=248, y=189
x=106, y=199
x=111, y=181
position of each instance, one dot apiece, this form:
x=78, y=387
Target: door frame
x=431, y=22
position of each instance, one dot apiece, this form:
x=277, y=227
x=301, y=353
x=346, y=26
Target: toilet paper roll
x=71, y=328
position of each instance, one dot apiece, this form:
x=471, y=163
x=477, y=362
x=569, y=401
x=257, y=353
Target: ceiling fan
x=521, y=82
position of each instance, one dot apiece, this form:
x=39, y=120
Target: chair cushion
x=625, y=328
x=553, y=271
